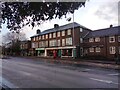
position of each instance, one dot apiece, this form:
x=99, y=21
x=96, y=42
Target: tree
x=19, y=14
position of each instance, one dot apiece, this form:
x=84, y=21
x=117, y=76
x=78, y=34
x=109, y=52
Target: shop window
x=97, y=39
x=69, y=41
x=67, y=52
x=69, y=32
x=97, y=49
x=112, y=50
x=112, y=39
x=63, y=33
x=63, y=42
x=91, y=49
x=91, y=39
x=58, y=34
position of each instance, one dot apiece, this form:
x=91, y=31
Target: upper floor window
x=69, y=41
x=33, y=45
x=118, y=38
x=81, y=30
x=46, y=36
x=39, y=37
x=91, y=49
x=81, y=40
x=63, y=42
x=69, y=32
x=46, y=44
x=97, y=49
x=54, y=35
x=63, y=33
x=91, y=39
x=58, y=34
x=112, y=50
x=112, y=39
x=97, y=39
x=50, y=35
x=53, y=43
x=33, y=39
x=58, y=43
x=42, y=36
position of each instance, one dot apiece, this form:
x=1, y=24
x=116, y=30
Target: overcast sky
x=95, y=15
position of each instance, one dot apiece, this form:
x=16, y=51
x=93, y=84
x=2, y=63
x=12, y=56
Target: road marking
x=114, y=74
x=105, y=81
x=26, y=73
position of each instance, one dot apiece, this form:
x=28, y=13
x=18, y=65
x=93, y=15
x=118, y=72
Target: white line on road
x=105, y=81
x=114, y=74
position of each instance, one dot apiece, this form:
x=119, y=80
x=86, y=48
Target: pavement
x=79, y=62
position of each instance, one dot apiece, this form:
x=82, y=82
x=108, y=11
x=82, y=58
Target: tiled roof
x=104, y=32
x=64, y=27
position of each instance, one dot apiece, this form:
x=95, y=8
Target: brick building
x=25, y=47
x=64, y=40
x=102, y=43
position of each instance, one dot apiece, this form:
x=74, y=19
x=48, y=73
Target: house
x=25, y=47
x=102, y=43
x=64, y=40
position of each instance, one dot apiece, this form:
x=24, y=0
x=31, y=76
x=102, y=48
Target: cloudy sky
x=95, y=15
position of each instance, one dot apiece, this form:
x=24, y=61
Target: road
x=28, y=73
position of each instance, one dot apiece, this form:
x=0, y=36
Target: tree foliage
x=19, y=14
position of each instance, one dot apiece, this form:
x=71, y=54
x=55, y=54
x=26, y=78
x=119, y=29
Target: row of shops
x=60, y=52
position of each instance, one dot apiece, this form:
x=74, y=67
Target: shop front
x=40, y=51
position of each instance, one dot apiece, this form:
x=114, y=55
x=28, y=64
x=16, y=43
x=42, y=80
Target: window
x=53, y=43
x=46, y=36
x=97, y=49
x=91, y=39
x=69, y=41
x=42, y=36
x=58, y=34
x=91, y=49
x=50, y=35
x=81, y=30
x=33, y=45
x=39, y=37
x=36, y=45
x=63, y=42
x=112, y=50
x=33, y=38
x=63, y=33
x=118, y=38
x=69, y=32
x=97, y=39
x=58, y=43
x=46, y=44
x=81, y=40
x=36, y=38
x=112, y=39
x=54, y=35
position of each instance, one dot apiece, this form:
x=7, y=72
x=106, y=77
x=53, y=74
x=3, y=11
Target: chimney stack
x=111, y=25
x=38, y=31
x=56, y=26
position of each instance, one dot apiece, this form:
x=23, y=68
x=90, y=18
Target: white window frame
x=58, y=42
x=63, y=42
x=97, y=39
x=91, y=49
x=33, y=45
x=118, y=38
x=58, y=34
x=39, y=37
x=63, y=33
x=91, y=39
x=46, y=36
x=81, y=29
x=112, y=49
x=54, y=35
x=111, y=38
x=69, y=32
x=98, y=49
x=69, y=41
x=50, y=35
x=43, y=37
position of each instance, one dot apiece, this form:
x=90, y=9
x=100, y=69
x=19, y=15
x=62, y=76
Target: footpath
x=79, y=62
